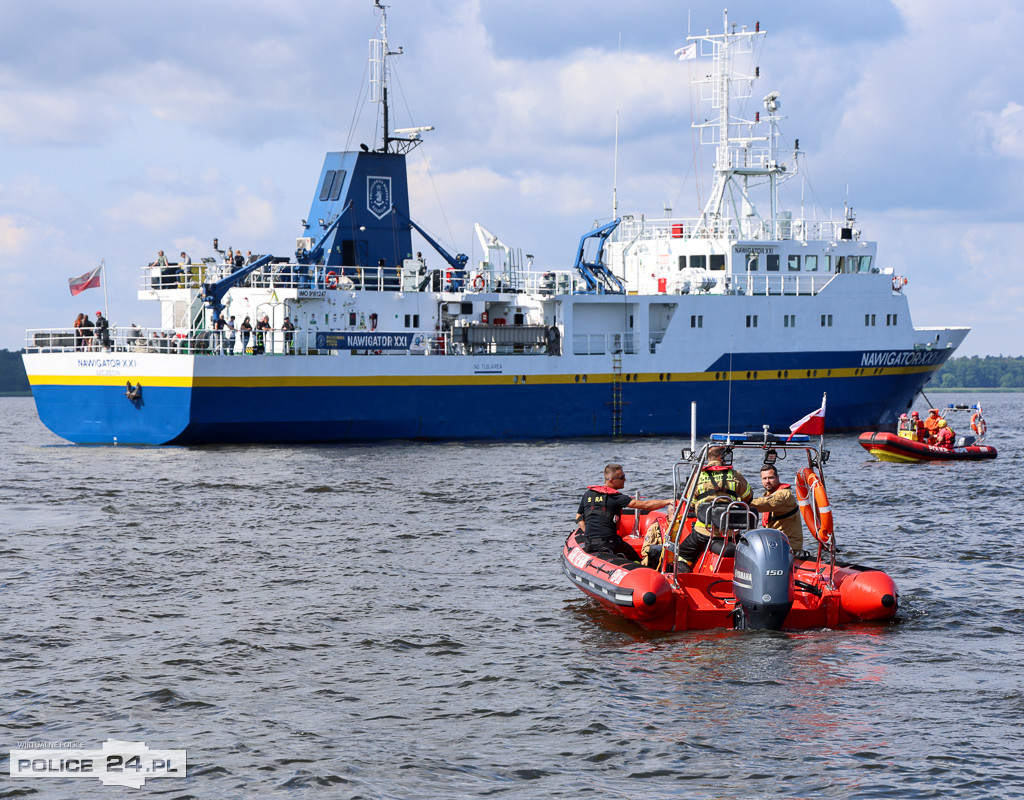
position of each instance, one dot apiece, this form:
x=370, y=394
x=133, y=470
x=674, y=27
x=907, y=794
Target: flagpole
x=103, y=283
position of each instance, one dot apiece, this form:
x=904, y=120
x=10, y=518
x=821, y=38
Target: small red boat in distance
x=748, y=577
x=912, y=444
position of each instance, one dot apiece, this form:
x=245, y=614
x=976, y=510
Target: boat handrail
x=753, y=229
x=489, y=340
x=411, y=276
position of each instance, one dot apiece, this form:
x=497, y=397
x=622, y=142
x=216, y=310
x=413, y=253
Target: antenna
x=378, y=70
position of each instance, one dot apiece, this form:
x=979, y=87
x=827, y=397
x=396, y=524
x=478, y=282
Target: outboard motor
x=762, y=580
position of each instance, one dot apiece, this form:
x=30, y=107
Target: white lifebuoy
x=331, y=279
x=479, y=283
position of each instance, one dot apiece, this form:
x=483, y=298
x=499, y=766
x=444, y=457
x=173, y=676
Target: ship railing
x=599, y=344
x=478, y=340
x=753, y=229
x=764, y=285
x=411, y=276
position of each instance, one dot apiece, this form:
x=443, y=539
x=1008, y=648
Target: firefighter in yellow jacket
x=779, y=508
x=716, y=479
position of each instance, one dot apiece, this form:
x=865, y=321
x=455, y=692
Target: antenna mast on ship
x=739, y=153
x=379, y=54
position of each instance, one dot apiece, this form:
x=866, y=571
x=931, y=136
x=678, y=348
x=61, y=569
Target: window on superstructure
x=789, y=320
x=794, y=263
x=828, y=263
x=717, y=261
x=865, y=263
x=890, y=319
x=773, y=262
x=698, y=262
x=751, y=263
x=751, y=320
x=696, y=320
x=826, y=320
x=682, y=262
x=869, y=320
x=325, y=190
x=339, y=181
x=810, y=263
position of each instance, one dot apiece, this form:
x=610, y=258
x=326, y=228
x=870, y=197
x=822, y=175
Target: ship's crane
x=600, y=279
x=457, y=262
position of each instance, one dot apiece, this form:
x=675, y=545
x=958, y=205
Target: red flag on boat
x=813, y=424
x=89, y=280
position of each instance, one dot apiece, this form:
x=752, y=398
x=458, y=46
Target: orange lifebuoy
x=813, y=503
x=978, y=424
x=331, y=280
x=479, y=283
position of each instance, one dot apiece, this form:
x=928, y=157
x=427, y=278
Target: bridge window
x=339, y=181
x=773, y=262
x=698, y=262
x=325, y=190
x=717, y=261
x=865, y=263
x=751, y=263
x=810, y=263
x=794, y=263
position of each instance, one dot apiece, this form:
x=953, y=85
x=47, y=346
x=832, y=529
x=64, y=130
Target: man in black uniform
x=599, y=511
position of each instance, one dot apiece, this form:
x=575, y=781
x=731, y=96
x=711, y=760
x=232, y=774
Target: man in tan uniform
x=779, y=508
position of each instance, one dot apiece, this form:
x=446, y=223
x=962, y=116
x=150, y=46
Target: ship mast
x=739, y=153
x=379, y=73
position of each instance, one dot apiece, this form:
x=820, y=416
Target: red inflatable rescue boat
x=912, y=442
x=748, y=577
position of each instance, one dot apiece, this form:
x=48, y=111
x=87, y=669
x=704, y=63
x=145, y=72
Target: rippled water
x=392, y=622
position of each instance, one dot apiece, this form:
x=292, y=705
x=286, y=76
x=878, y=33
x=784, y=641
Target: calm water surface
x=391, y=621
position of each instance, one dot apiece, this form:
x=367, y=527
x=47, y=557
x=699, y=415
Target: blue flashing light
x=728, y=437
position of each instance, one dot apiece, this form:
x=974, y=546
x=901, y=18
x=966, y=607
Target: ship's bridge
x=686, y=256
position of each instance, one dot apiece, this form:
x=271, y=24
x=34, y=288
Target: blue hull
x=186, y=416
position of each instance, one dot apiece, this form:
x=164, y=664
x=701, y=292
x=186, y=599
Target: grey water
x=391, y=621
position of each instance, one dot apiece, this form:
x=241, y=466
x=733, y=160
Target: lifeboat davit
x=748, y=579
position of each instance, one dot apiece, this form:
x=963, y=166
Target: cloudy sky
x=129, y=127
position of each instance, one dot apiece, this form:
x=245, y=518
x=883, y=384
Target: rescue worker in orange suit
x=944, y=436
x=922, y=434
x=716, y=479
x=931, y=424
x=599, y=511
x=779, y=508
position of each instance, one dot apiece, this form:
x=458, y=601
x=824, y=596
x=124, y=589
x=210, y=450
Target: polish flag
x=89, y=280
x=687, y=53
x=813, y=424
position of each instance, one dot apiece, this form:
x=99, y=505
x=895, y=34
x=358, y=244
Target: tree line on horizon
x=966, y=372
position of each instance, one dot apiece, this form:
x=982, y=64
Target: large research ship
x=748, y=310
